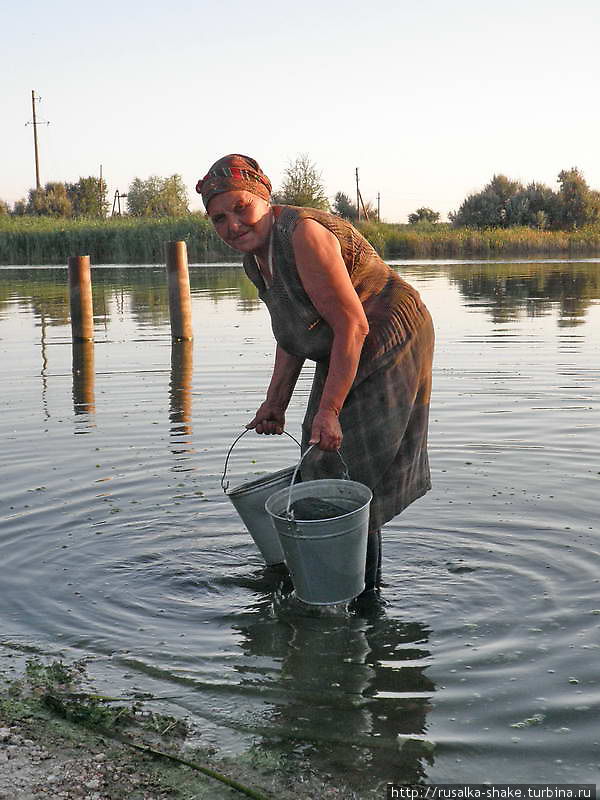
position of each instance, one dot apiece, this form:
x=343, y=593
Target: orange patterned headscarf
x=234, y=172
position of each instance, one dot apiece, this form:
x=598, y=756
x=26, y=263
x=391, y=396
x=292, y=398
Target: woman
x=333, y=300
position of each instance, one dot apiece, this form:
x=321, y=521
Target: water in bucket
x=311, y=508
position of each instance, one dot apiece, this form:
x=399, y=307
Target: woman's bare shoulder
x=310, y=232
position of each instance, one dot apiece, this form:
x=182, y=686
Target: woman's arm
x=270, y=417
x=325, y=279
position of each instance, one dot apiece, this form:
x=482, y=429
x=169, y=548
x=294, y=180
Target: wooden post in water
x=80, y=294
x=180, y=300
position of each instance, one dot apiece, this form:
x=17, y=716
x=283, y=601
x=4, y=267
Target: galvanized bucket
x=325, y=557
x=249, y=501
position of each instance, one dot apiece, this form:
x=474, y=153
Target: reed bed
x=444, y=241
x=128, y=240
x=120, y=240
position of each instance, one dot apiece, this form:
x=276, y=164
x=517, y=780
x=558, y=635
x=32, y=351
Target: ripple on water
x=480, y=663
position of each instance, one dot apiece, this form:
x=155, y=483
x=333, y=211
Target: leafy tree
x=479, y=210
x=344, y=207
x=4, y=209
x=424, y=214
x=157, y=197
x=173, y=200
x=88, y=197
x=50, y=201
x=493, y=207
x=302, y=185
x=504, y=188
x=20, y=207
x=503, y=203
x=577, y=204
x=534, y=206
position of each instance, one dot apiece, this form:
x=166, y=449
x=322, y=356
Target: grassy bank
x=126, y=240
x=119, y=240
x=59, y=738
x=444, y=241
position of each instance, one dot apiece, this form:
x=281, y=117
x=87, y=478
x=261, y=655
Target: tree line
x=502, y=203
x=87, y=198
x=164, y=197
x=505, y=203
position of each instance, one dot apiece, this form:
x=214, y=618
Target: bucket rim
x=261, y=480
x=305, y=484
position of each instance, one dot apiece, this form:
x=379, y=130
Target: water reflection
x=44, y=371
x=350, y=692
x=180, y=396
x=83, y=378
x=500, y=560
x=536, y=289
x=507, y=289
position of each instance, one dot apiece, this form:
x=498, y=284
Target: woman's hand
x=326, y=431
x=270, y=418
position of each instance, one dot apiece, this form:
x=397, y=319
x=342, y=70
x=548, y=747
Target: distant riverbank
x=40, y=241
x=119, y=240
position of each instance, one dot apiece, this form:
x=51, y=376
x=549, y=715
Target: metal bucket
x=326, y=557
x=249, y=501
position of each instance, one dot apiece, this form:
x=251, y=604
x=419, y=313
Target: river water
x=118, y=544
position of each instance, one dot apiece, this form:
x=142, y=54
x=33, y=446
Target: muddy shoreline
x=43, y=754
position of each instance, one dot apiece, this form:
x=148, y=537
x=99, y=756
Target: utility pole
x=116, y=207
x=378, y=207
x=35, y=123
x=359, y=201
x=35, y=142
x=100, y=193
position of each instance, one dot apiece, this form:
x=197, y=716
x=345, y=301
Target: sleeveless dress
x=385, y=416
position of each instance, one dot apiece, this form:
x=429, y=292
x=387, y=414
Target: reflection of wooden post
x=180, y=300
x=83, y=377
x=180, y=390
x=80, y=293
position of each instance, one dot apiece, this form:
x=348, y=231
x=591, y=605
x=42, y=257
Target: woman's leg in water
x=373, y=561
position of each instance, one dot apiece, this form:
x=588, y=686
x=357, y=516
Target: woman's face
x=241, y=219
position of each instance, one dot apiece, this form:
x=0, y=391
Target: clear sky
x=428, y=98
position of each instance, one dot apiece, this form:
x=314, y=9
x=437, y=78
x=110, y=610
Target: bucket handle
x=290, y=515
x=224, y=483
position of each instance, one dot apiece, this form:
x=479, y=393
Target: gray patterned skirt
x=384, y=423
